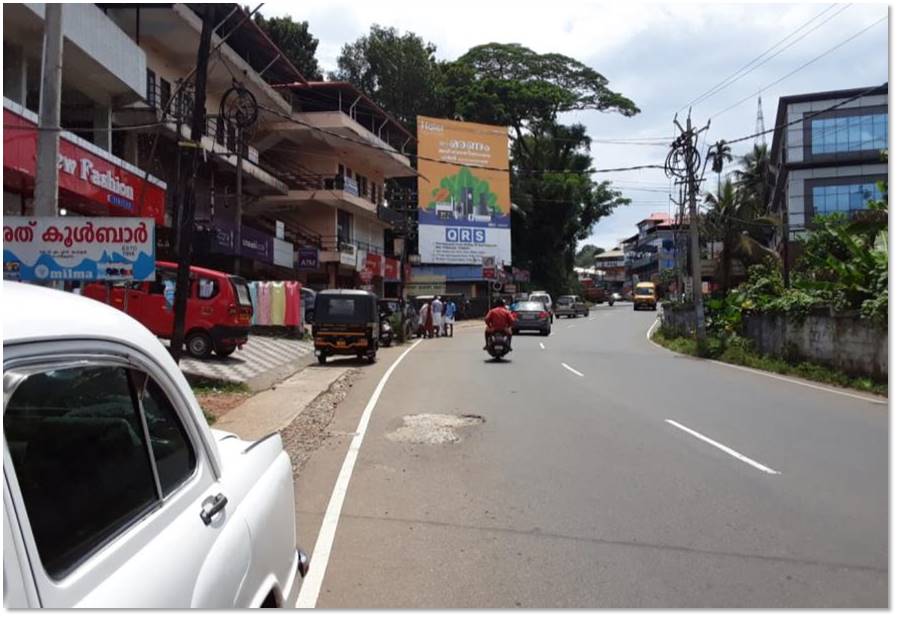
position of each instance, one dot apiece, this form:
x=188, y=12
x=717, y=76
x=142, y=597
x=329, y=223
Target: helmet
x=500, y=302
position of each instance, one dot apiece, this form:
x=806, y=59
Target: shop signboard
x=283, y=253
x=426, y=285
x=69, y=248
x=390, y=269
x=307, y=258
x=373, y=263
x=92, y=179
x=463, y=192
x=489, y=272
x=255, y=244
x=348, y=254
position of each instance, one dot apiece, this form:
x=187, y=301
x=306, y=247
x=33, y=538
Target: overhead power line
x=801, y=67
x=371, y=146
x=873, y=90
x=759, y=60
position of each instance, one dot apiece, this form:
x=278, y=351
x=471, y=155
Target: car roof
x=34, y=313
x=194, y=269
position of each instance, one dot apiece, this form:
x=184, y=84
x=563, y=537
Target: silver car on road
x=532, y=316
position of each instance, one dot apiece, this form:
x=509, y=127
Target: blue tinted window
x=849, y=134
x=844, y=197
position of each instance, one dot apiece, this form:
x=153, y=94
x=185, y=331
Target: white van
x=544, y=298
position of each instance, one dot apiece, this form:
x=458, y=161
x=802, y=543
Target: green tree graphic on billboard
x=471, y=193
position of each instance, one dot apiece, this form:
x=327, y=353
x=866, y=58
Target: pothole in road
x=433, y=428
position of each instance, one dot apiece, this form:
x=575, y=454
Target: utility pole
x=46, y=186
x=683, y=162
x=187, y=187
x=238, y=223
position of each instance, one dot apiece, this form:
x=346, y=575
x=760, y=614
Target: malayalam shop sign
x=72, y=248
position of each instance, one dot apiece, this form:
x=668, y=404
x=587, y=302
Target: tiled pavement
x=259, y=355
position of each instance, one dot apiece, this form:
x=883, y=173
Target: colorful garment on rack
x=291, y=318
x=278, y=303
x=264, y=304
x=254, y=297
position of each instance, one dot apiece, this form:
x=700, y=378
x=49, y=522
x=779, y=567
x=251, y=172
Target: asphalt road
x=631, y=477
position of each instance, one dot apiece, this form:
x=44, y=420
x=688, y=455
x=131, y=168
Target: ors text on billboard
x=464, y=192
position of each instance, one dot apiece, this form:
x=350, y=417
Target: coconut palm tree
x=732, y=220
x=753, y=179
x=719, y=154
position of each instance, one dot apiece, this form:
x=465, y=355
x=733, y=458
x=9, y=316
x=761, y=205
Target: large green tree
x=295, y=41
x=585, y=257
x=397, y=71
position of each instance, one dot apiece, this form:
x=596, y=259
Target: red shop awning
x=91, y=180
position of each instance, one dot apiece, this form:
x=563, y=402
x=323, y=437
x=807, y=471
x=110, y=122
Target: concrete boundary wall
x=845, y=342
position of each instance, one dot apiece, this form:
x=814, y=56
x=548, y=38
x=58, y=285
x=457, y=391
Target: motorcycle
x=498, y=345
x=386, y=333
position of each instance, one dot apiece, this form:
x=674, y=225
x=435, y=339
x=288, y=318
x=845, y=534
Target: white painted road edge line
x=572, y=370
x=726, y=449
x=311, y=585
x=876, y=401
x=801, y=383
x=542, y=345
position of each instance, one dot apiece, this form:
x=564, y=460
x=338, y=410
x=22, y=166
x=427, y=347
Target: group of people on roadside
x=437, y=318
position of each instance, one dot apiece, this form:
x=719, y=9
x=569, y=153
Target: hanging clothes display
x=264, y=304
x=278, y=303
x=291, y=317
x=254, y=297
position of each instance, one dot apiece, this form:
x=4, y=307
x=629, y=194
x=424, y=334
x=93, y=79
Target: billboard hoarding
x=79, y=248
x=464, y=197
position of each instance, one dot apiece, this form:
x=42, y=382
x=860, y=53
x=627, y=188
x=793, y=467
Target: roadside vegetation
x=738, y=350
x=216, y=397
x=842, y=269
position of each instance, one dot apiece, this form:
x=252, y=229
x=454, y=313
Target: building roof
x=341, y=95
x=251, y=42
x=661, y=217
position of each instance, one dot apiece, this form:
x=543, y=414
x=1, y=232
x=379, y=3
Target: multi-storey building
x=827, y=157
x=103, y=71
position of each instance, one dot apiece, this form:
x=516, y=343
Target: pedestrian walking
x=438, y=323
x=450, y=310
x=426, y=321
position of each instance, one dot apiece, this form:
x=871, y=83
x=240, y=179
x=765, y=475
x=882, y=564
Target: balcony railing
x=338, y=244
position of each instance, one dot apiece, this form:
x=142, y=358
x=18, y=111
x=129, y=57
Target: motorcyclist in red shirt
x=499, y=319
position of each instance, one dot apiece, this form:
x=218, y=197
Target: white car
x=544, y=298
x=116, y=493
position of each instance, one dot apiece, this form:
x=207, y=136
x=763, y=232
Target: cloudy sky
x=662, y=56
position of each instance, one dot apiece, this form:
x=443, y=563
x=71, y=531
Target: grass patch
x=217, y=396
x=741, y=354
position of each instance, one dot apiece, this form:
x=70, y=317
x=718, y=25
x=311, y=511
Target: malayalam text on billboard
x=463, y=192
x=74, y=248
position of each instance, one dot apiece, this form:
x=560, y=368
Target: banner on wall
x=70, y=248
x=464, y=196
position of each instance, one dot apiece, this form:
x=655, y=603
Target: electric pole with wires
x=683, y=163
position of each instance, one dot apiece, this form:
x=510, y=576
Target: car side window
x=158, y=286
x=172, y=451
x=81, y=459
x=206, y=288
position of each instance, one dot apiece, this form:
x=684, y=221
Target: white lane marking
x=572, y=370
x=591, y=318
x=572, y=326
x=542, y=345
x=311, y=585
x=868, y=399
x=741, y=457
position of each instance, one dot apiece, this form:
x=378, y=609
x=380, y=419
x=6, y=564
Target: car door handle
x=211, y=508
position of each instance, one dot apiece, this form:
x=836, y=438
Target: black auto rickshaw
x=347, y=323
